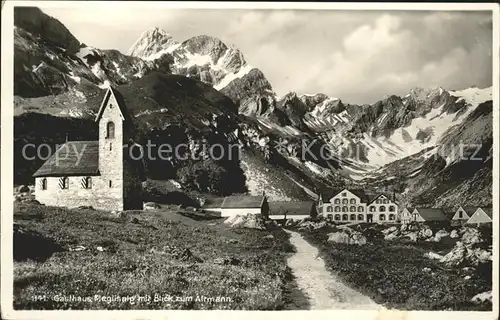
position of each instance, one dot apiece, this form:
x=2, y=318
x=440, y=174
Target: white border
x=6, y=295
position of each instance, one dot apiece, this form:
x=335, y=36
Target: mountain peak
x=151, y=42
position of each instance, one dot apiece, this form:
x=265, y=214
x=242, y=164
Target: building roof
x=488, y=211
x=410, y=209
x=65, y=162
x=119, y=99
x=292, y=208
x=469, y=210
x=432, y=214
x=327, y=194
x=243, y=201
x=449, y=211
x=373, y=198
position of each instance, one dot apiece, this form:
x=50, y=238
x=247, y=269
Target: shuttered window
x=64, y=183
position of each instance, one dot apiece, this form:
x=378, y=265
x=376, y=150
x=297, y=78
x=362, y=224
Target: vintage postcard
x=162, y=159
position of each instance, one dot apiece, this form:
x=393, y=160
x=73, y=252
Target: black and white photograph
x=260, y=157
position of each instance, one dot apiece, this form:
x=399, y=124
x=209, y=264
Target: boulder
x=23, y=189
x=391, y=236
x=456, y=257
x=389, y=230
x=425, y=232
x=471, y=236
x=483, y=297
x=347, y=236
x=441, y=233
x=338, y=237
x=454, y=234
x=412, y=236
x=432, y=255
x=269, y=236
x=251, y=221
x=151, y=206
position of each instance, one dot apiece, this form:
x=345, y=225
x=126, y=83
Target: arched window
x=372, y=208
x=337, y=208
x=352, y=201
x=345, y=217
x=360, y=208
x=110, y=130
x=361, y=217
x=344, y=209
x=381, y=217
x=392, y=217
x=337, y=217
x=336, y=201
x=353, y=217
x=43, y=184
x=64, y=183
x=386, y=201
x=345, y=201
x=352, y=209
x=382, y=208
x=329, y=209
x=329, y=217
x=392, y=208
x=87, y=183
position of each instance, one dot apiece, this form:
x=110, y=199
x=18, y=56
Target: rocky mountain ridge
x=56, y=74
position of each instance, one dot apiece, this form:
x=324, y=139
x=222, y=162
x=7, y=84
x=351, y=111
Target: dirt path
x=323, y=289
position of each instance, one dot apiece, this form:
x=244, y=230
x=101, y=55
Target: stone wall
x=75, y=196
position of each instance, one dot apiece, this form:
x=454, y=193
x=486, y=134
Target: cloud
x=358, y=56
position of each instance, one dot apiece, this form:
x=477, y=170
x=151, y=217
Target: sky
x=357, y=56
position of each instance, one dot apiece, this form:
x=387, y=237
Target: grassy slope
x=146, y=254
x=391, y=273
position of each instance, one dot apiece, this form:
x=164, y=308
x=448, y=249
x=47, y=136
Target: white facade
x=406, y=216
x=345, y=206
x=289, y=217
x=382, y=209
x=229, y=212
x=479, y=217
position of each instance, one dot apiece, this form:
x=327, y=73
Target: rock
x=101, y=249
x=391, y=236
x=78, y=248
x=251, y=221
x=456, y=256
x=454, y=234
x=23, y=189
x=483, y=297
x=426, y=269
x=425, y=232
x=467, y=277
x=390, y=230
x=347, y=237
x=432, y=255
x=441, y=234
x=483, y=255
x=412, y=236
x=187, y=256
x=232, y=241
x=151, y=206
x=471, y=236
x=269, y=236
x=338, y=237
